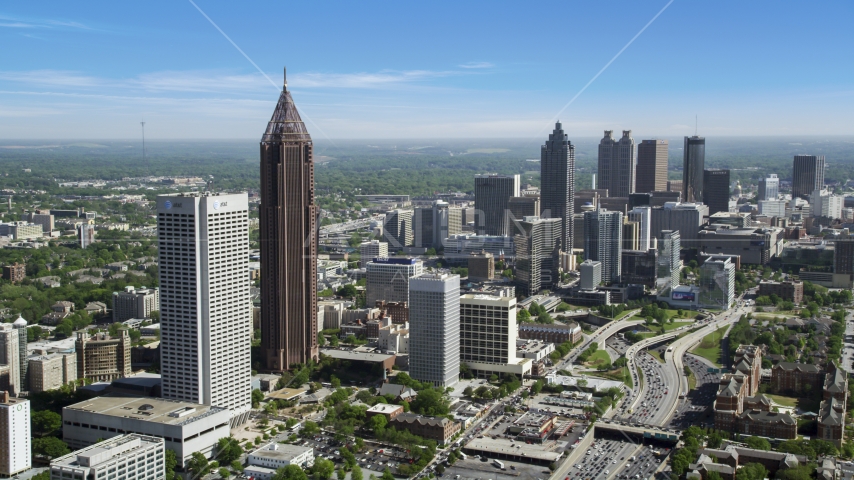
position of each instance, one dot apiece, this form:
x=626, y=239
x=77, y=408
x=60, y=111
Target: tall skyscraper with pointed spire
x=557, y=182
x=289, y=224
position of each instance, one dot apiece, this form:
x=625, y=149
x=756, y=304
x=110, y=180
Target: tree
x=378, y=423
x=291, y=472
x=430, y=402
x=801, y=472
x=50, y=446
x=198, y=464
x=323, y=469
x=41, y=476
x=224, y=473
x=347, y=291
x=387, y=475
x=752, y=471
x=714, y=476
x=335, y=381
x=46, y=422
x=356, y=473
x=171, y=462
x=758, y=443
x=257, y=397
x=236, y=466
x=309, y=428
x=524, y=316
x=468, y=391
x=228, y=449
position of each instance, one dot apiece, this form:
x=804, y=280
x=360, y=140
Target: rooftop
x=350, y=355
x=149, y=409
x=106, y=450
x=384, y=408
x=281, y=451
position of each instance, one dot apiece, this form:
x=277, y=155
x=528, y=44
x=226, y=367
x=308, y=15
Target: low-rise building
x=792, y=291
x=796, y=377
x=831, y=421
x=51, y=371
x=135, y=303
x=276, y=455
x=439, y=429
x=186, y=427
x=387, y=410
x=141, y=457
x=21, y=230
x=552, y=333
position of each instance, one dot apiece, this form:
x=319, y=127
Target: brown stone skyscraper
x=288, y=220
x=652, y=166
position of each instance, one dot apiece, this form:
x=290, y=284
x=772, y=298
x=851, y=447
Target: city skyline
x=170, y=67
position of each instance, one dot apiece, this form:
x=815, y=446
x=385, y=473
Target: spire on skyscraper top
x=285, y=125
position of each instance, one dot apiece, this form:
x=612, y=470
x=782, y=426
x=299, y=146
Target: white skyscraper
x=15, y=435
x=643, y=217
x=434, y=329
x=603, y=241
x=824, y=204
x=769, y=187
x=488, y=334
x=205, y=318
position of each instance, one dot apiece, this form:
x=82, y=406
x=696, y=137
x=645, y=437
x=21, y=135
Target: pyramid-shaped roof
x=286, y=125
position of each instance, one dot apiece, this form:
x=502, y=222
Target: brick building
x=796, y=377
x=554, y=333
x=15, y=272
x=398, y=311
x=102, y=358
x=792, y=291
x=831, y=421
x=439, y=429
x=387, y=410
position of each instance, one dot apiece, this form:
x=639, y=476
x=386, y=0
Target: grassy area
x=599, y=357
x=692, y=380
x=805, y=404
x=710, y=347
x=656, y=355
x=672, y=326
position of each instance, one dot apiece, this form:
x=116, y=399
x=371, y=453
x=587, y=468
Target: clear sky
x=433, y=69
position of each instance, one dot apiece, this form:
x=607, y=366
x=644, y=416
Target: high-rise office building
x=434, y=329
x=372, y=249
x=521, y=207
x=432, y=225
x=669, y=263
x=603, y=240
x=537, y=254
x=717, y=282
x=684, y=217
x=288, y=217
x=491, y=197
x=557, y=183
x=10, y=354
x=388, y=278
x=398, y=228
x=807, y=175
x=716, y=190
x=631, y=235
x=643, y=217
x=205, y=320
x=135, y=303
x=20, y=326
x=481, y=266
x=638, y=267
x=693, y=164
x=843, y=256
x=825, y=204
x=15, y=435
x=591, y=274
x=488, y=333
x=617, y=164
x=769, y=187
x=652, y=166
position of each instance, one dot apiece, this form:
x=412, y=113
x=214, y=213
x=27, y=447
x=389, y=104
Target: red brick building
x=792, y=291
x=15, y=272
x=796, y=377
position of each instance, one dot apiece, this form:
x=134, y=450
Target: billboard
x=683, y=296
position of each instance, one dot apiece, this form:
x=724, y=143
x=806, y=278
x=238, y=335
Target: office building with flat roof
x=807, y=175
x=101, y=357
x=769, y=187
x=603, y=241
x=557, y=183
x=186, y=427
x=141, y=457
x=616, y=170
x=591, y=274
x=537, y=250
x=488, y=332
x=716, y=190
x=388, y=278
x=643, y=217
x=652, y=166
x=398, y=229
x=669, y=263
x=10, y=354
x=481, y=267
x=491, y=201
x=687, y=218
x=434, y=329
x=693, y=164
x=51, y=371
x=372, y=249
x=205, y=329
x=717, y=282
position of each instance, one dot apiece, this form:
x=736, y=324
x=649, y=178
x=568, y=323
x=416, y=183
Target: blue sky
x=425, y=69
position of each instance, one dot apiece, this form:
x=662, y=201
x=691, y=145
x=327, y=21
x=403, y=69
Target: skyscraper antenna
x=142, y=123
x=695, y=125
